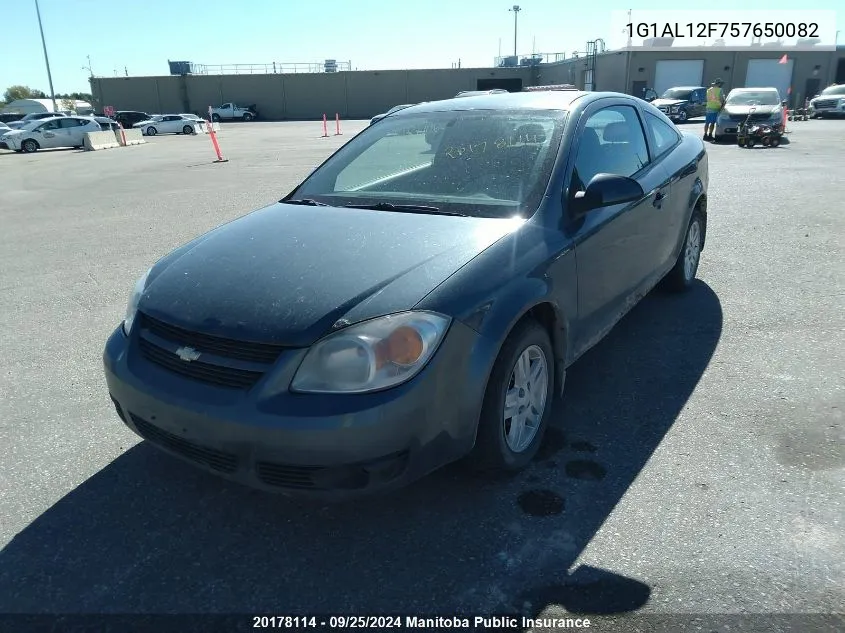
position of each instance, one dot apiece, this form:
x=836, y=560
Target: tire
x=497, y=446
x=248, y=116
x=215, y=117
x=749, y=144
x=187, y=130
x=774, y=142
x=151, y=131
x=682, y=116
x=766, y=141
x=682, y=275
x=29, y=146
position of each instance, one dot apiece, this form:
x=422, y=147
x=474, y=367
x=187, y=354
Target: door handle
x=658, y=199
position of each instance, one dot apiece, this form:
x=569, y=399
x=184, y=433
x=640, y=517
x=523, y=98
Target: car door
x=73, y=130
x=663, y=139
x=50, y=135
x=616, y=247
x=699, y=103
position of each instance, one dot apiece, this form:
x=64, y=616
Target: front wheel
x=151, y=131
x=215, y=117
x=518, y=401
x=29, y=146
x=248, y=116
x=774, y=142
x=682, y=116
x=683, y=272
x=187, y=130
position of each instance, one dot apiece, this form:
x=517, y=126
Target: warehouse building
x=797, y=71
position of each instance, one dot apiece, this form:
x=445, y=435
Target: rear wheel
x=29, y=146
x=518, y=401
x=215, y=117
x=683, y=272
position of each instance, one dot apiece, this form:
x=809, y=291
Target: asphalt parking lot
x=698, y=465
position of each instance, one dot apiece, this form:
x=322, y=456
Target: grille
x=218, y=372
x=237, y=350
x=285, y=476
x=217, y=460
x=825, y=103
x=219, y=375
x=754, y=117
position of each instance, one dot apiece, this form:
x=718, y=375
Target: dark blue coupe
x=417, y=299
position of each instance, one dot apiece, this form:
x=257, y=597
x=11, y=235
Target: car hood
x=745, y=110
x=667, y=102
x=7, y=133
x=286, y=274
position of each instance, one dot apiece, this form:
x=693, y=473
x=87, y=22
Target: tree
x=68, y=104
x=22, y=92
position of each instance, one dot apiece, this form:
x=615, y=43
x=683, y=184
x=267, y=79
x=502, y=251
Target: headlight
x=675, y=108
x=372, y=355
x=134, y=298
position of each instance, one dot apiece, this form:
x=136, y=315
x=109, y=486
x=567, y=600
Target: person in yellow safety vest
x=715, y=103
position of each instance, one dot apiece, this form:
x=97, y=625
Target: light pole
x=46, y=59
x=516, y=9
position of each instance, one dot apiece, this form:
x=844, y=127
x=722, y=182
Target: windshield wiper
x=306, y=202
x=413, y=208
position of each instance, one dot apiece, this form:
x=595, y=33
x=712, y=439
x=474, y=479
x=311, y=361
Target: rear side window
x=664, y=136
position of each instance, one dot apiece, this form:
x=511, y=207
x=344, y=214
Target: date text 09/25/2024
x=410, y=623
x=695, y=30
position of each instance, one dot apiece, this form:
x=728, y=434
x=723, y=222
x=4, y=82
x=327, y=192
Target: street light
x=46, y=59
x=516, y=9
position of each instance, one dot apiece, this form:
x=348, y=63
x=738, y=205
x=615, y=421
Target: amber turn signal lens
x=404, y=346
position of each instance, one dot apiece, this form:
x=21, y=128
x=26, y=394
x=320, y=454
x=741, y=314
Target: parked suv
x=831, y=102
x=683, y=103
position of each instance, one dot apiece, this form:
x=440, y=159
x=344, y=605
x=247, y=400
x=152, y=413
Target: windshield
x=482, y=163
x=754, y=97
x=677, y=93
x=834, y=90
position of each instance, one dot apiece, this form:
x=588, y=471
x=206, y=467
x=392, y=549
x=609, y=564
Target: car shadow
x=150, y=534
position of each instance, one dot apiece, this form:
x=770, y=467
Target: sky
x=371, y=34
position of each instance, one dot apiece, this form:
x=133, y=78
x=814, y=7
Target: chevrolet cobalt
x=410, y=304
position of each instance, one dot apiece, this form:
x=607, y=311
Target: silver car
x=762, y=105
x=831, y=102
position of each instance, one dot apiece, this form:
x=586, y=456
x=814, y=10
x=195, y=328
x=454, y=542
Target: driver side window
x=612, y=142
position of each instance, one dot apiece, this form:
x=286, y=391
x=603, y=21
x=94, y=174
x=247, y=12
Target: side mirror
x=605, y=190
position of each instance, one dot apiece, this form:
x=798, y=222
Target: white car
x=34, y=116
x=64, y=131
x=167, y=124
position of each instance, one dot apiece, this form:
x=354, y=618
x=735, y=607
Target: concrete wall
x=362, y=94
x=352, y=95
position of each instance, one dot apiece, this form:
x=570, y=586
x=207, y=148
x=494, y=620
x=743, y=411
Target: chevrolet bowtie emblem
x=188, y=354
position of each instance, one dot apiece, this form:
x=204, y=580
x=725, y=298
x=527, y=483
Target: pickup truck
x=231, y=112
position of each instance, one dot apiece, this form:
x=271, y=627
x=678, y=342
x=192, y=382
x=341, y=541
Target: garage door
x=769, y=73
x=678, y=72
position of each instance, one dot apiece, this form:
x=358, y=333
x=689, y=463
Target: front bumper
x=838, y=110
x=325, y=446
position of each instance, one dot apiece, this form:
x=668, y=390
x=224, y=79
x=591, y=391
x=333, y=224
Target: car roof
x=543, y=100
x=766, y=89
x=685, y=88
